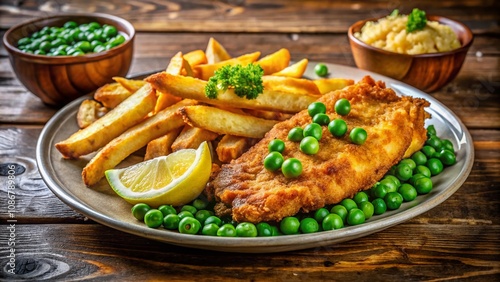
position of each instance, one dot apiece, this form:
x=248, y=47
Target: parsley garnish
x=416, y=20
x=246, y=81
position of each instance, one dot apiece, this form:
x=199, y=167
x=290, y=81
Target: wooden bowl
x=57, y=80
x=428, y=72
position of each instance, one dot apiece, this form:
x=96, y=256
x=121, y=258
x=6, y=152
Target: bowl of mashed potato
x=424, y=51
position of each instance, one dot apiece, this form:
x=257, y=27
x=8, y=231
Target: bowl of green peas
x=60, y=58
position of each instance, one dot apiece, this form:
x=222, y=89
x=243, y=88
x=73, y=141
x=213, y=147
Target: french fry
x=88, y=112
x=225, y=122
x=164, y=101
x=295, y=70
x=272, y=115
x=231, y=147
x=205, y=71
x=191, y=138
x=161, y=146
x=132, y=140
x=131, y=85
x=111, y=94
x=98, y=134
x=215, y=52
x=326, y=85
x=284, y=94
x=196, y=57
x=275, y=62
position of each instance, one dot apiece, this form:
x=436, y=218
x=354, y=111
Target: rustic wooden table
x=457, y=240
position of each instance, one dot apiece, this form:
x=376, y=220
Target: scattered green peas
x=358, y=135
x=85, y=38
x=291, y=168
x=213, y=219
x=431, y=130
x=447, y=157
x=423, y=185
x=321, y=70
x=422, y=169
x=314, y=130
x=340, y=210
x=316, y=108
x=296, y=134
x=337, y=127
x=410, y=162
x=276, y=145
x=378, y=191
x=189, y=208
x=435, y=142
x=419, y=158
x=428, y=151
x=273, y=161
x=226, y=230
x=394, y=179
x=167, y=209
x=342, y=107
x=202, y=215
x=389, y=184
x=309, y=145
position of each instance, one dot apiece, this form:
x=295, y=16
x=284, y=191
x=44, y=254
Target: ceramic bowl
x=428, y=72
x=57, y=80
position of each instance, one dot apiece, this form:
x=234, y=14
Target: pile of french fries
x=168, y=111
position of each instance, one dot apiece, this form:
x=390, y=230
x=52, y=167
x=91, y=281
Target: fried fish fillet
x=395, y=127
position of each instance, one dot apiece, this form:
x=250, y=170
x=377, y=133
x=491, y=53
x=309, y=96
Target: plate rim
x=259, y=244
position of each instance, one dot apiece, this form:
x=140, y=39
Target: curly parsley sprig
x=416, y=20
x=245, y=80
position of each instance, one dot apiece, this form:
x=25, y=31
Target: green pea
x=342, y=107
x=264, y=229
x=119, y=39
x=320, y=214
x=339, y=210
x=410, y=162
x=289, y=225
x=393, y=179
x=423, y=185
x=358, y=136
x=355, y=217
x=153, y=218
x=189, y=225
x=447, y=157
x=403, y=171
x=171, y=221
x=273, y=161
x=45, y=46
x=309, y=145
x=23, y=41
x=226, y=230
x=389, y=184
x=378, y=191
x=210, y=229
x=408, y=192
x=167, y=209
x=139, y=210
x=316, y=108
x=110, y=31
x=435, y=166
x=393, y=200
x=70, y=24
x=447, y=145
x=337, y=127
x=314, y=130
x=84, y=46
x=189, y=208
x=184, y=214
x=295, y=134
x=428, y=151
x=435, y=142
x=332, y=221
x=419, y=158
x=213, y=219
x=246, y=229
x=423, y=170
x=200, y=204
x=379, y=206
x=309, y=225
x=360, y=197
x=202, y=215
x=321, y=119
x=415, y=177
x=291, y=168
x=321, y=70
x=367, y=208
x=276, y=145
x=349, y=204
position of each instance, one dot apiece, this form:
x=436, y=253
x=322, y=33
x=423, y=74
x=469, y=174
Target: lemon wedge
x=175, y=179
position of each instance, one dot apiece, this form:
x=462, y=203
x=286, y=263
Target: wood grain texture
x=425, y=254
x=287, y=16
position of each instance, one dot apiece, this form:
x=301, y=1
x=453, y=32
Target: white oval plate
x=101, y=204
